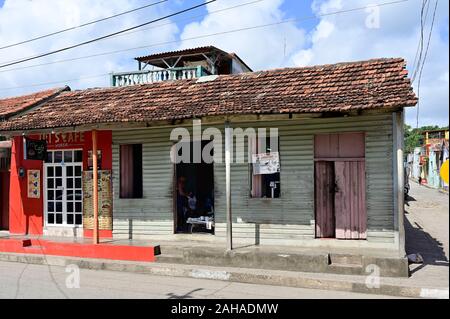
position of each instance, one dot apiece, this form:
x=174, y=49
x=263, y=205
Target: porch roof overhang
x=339, y=89
x=206, y=120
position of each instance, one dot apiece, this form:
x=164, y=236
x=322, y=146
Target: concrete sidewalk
x=398, y=287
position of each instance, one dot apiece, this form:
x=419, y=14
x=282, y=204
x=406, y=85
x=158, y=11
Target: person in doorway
x=192, y=205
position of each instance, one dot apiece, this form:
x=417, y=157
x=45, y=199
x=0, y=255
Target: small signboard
x=34, y=183
x=266, y=163
x=35, y=149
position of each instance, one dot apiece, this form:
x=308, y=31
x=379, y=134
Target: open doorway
x=194, y=195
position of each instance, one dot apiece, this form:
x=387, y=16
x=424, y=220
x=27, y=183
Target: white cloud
x=347, y=37
x=263, y=48
x=24, y=19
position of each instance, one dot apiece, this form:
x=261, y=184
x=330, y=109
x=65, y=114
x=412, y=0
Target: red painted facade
x=26, y=215
x=82, y=250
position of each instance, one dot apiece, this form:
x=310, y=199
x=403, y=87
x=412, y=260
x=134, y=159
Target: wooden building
x=338, y=180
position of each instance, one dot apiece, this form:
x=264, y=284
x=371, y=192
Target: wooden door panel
x=324, y=199
x=326, y=146
x=350, y=204
x=351, y=145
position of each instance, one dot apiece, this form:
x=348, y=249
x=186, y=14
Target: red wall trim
x=26, y=215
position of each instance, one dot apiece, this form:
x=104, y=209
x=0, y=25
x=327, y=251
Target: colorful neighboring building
x=429, y=157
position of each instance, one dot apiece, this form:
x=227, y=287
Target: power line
x=81, y=25
x=419, y=52
x=187, y=39
x=205, y=36
x=135, y=48
x=424, y=60
x=420, y=44
x=106, y=36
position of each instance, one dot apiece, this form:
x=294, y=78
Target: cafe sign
x=62, y=140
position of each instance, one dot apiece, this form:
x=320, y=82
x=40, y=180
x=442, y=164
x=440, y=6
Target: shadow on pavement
x=409, y=198
x=184, y=296
x=419, y=241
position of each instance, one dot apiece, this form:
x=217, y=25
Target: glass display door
x=63, y=194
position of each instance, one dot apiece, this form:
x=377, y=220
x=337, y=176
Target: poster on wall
x=266, y=163
x=34, y=183
x=104, y=200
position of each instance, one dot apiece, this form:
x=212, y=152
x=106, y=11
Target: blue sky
x=389, y=31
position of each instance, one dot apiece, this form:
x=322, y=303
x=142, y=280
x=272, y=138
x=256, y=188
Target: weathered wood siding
x=285, y=219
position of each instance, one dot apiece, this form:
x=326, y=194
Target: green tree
x=414, y=137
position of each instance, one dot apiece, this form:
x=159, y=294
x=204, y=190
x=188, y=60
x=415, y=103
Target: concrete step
x=170, y=258
x=345, y=264
x=171, y=249
x=258, y=259
x=346, y=259
x=345, y=269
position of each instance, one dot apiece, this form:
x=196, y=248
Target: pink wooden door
x=350, y=200
x=324, y=199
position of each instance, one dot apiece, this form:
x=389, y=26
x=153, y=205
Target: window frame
x=251, y=176
x=140, y=191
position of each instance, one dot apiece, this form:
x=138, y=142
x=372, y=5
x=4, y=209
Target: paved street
x=427, y=233
x=38, y=281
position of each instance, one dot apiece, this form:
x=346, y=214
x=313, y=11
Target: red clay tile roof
x=373, y=84
x=13, y=105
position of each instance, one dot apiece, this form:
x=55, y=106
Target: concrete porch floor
x=76, y=247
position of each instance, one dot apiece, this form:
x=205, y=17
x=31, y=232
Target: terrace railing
x=153, y=76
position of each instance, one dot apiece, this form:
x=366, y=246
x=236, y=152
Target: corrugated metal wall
x=151, y=215
x=289, y=218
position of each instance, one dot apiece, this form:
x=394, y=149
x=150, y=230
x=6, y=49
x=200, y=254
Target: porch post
x=95, y=186
x=228, y=146
x=399, y=179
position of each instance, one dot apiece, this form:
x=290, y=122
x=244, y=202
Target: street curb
x=240, y=275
